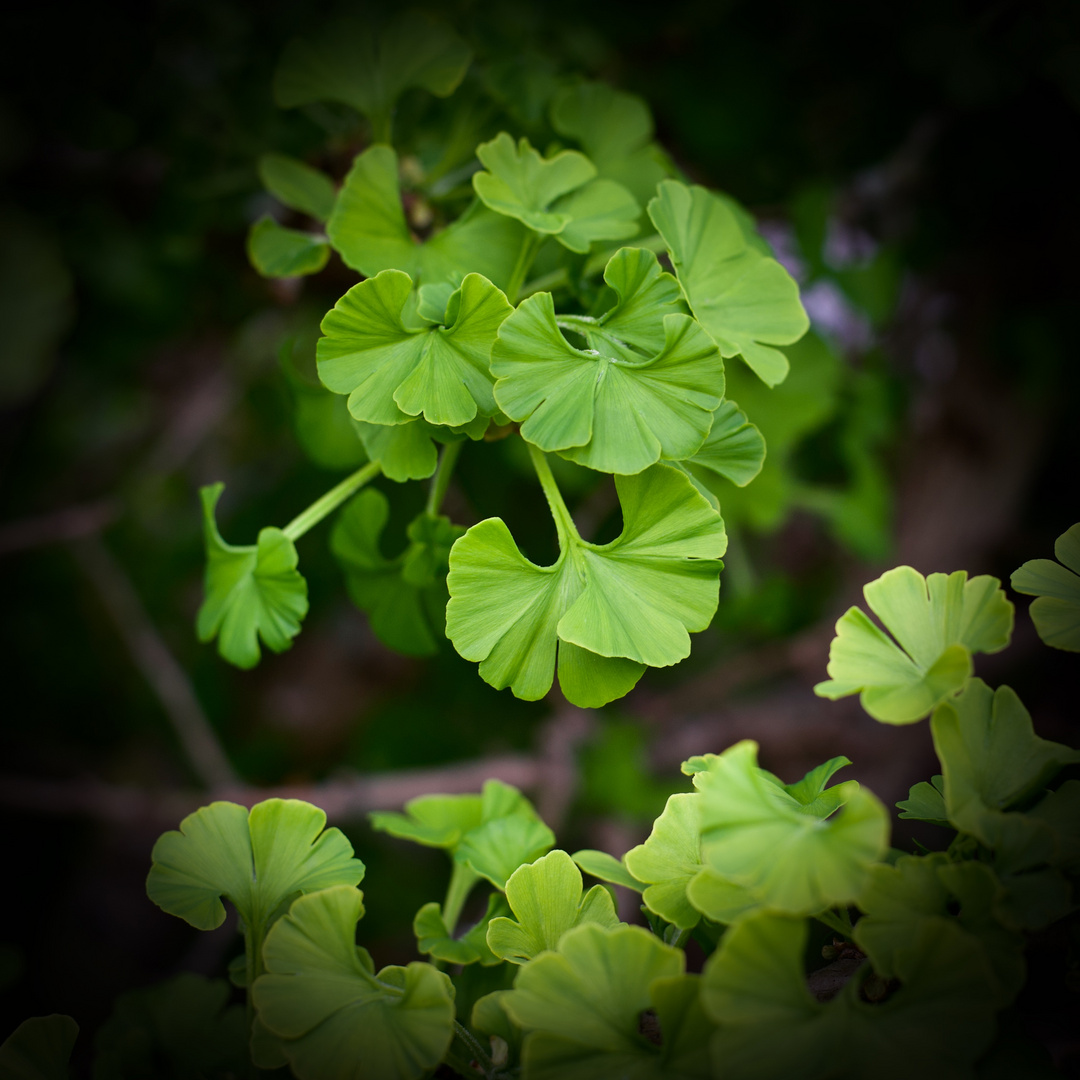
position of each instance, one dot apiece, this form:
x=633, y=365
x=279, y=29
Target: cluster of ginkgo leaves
x=544, y=980
x=507, y=292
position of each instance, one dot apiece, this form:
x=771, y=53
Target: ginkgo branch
x=329, y=502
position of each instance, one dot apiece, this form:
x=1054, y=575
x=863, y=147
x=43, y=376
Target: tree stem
x=319, y=509
x=441, y=479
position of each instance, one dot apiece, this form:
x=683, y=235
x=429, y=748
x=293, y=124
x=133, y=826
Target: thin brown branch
x=71, y=523
x=156, y=664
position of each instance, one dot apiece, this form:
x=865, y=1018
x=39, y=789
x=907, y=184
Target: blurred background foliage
x=910, y=166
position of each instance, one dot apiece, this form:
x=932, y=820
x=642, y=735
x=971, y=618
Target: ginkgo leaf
x=557, y=196
x=250, y=592
x=756, y=835
x=500, y=846
x=1056, y=612
x=644, y=295
x=599, y=864
x=335, y=1017
x=352, y=62
x=433, y=937
x=369, y=230
x=547, y=900
x=256, y=860
x=746, y=301
x=669, y=859
x=935, y=1025
x=278, y=252
x=39, y=1048
x=404, y=597
x=926, y=802
x=432, y=820
x=636, y=599
x=938, y=622
x=581, y=1006
x=297, y=185
x=605, y=407
x=403, y=451
x=733, y=449
x=392, y=372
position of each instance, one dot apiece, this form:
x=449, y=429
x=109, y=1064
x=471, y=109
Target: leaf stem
x=529, y=247
x=838, y=920
x=441, y=480
x=548, y=282
x=462, y=879
x=474, y=1050
x=319, y=509
x=564, y=523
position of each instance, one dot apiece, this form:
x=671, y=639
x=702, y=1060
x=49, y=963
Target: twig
x=157, y=664
x=72, y=523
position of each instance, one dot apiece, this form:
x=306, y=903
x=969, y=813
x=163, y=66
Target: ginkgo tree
x=507, y=291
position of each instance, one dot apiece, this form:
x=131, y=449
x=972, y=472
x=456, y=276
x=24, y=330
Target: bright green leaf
x=926, y=802
x=278, y=252
x=745, y=300
x=734, y=449
x=297, y=185
x=403, y=451
x=547, y=900
x=938, y=622
x=1056, y=612
x=433, y=938
x=599, y=864
x=256, y=860
x=39, y=1048
x=637, y=598
x=498, y=847
x=432, y=820
x=335, y=1017
x=250, y=592
x=392, y=372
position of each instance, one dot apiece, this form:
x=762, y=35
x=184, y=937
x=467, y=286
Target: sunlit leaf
x=500, y=846
x=250, y=592
x=636, y=599
x=335, y=1017
x=278, y=252
x=599, y=864
x=404, y=597
x=39, y=1049
x=1056, y=612
x=256, y=860
x=392, y=372
x=297, y=185
x=938, y=622
x=745, y=300
x=547, y=900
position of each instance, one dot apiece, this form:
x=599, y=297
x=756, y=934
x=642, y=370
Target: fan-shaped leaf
x=250, y=592
x=1056, y=612
x=335, y=1018
x=433, y=937
x=926, y=802
x=297, y=185
x=403, y=451
x=278, y=252
x=635, y=600
x=938, y=622
x=547, y=900
x=745, y=300
x=734, y=449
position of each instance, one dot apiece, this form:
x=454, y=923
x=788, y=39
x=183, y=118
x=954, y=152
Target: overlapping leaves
x=1056, y=611
x=251, y=592
x=604, y=610
x=746, y=300
x=938, y=622
x=332, y=1015
x=558, y=196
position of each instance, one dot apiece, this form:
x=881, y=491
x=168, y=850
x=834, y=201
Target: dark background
x=139, y=364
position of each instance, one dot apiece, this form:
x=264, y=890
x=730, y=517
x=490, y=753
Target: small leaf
x=734, y=448
x=249, y=592
x=434, y=939
x=334, y=1016
x=745, y=300
x=547, y=900
x=39, y=1048
x=432, y=820
x=926, y=802
x=599, y=864
x=1056, y=612
x=297, y=185
x=498, y=847
x=255, y=860
x=392, y=372
x=637, y=598
x=938, y=622
x=403, y=451
x=278, y=252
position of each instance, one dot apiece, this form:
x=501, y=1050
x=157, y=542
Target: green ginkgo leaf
x=404, y=597
x=733, y=449
x=433, y=937
x=926, y=802
x=297, y=185
x=256, y=860
x=403, y=451
x=631, y=602
x=582, y=1005
x=599, y=864
x=353, y=62
x=392, y=372
x=558, y=196
x=500, y=846
x=335, y=1017
x=938, y=622
x=250, y=592
x=278, y=252
x=936, y=1025
x=760, y=837
x=39, y=1048
x=606, y=407
x=670, y=859
x=369, y=230
x=746, y=301
x=547, y=900
x=1056, y=612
